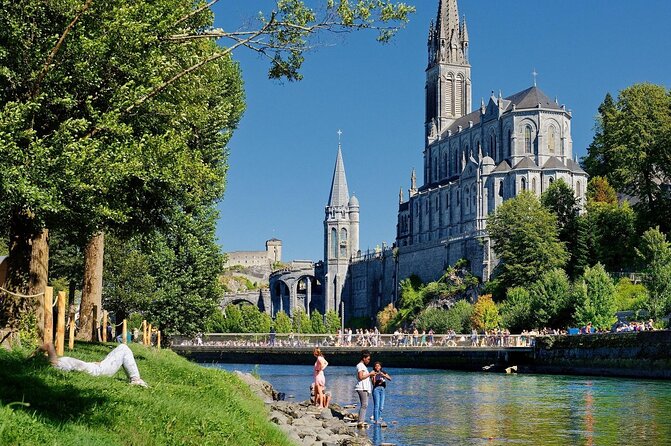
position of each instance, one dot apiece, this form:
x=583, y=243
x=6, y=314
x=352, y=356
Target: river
x=437, y=407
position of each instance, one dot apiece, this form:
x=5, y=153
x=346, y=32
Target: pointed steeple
x=448, y=19
x=339, y=192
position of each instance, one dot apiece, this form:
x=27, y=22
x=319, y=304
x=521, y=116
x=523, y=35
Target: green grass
x=185, y=405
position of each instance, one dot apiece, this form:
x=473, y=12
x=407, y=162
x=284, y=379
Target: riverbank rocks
x=305, y=424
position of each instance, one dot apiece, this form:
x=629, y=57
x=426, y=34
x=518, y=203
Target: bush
x=385, y=319
x=597, y=304
x=317, y=323
x=440, y=320
x=333, y=321
x=630, y=296
x=485, y=314
x=282, y=323
x=516, y=310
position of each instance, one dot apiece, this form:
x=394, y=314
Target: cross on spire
x=534, y=73
x=339, y=135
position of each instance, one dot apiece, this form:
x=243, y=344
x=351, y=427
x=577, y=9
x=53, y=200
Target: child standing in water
x=379, y=385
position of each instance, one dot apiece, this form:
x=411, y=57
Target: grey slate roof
x=339, y=192
x=463, y=121
x=575, y=167
x=531, y=97
x=502, y=167
x=526, y=163
x=554, y=163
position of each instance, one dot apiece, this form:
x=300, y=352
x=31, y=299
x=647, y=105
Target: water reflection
x=433, y=407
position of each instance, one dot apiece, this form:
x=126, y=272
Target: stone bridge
x=258, y=298
x=297, y=288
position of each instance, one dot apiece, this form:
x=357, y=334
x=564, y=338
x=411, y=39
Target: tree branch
x=195, y=11
x=57, y=47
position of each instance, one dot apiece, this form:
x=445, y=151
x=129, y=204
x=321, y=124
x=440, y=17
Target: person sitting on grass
x=121, y=356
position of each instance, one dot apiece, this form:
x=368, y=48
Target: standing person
x=319, y=378
x=379, y=386
x=272, y=336
x=363, y=386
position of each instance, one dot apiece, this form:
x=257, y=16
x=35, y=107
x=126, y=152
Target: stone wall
x=373, y=280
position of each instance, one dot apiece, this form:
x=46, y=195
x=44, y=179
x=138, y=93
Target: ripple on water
x=434, y=407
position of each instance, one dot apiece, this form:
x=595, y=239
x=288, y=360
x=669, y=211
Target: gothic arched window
x=474, y=196
x=577, y=189
x=510, y=142
x=552, y=140
x=343, y=242
x=533, y=185
x=501, y=188
x=467, y=202
x=524, y=184
x=527, y=139
x=334, y=242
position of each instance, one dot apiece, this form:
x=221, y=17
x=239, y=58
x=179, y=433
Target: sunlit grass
x=185, y=405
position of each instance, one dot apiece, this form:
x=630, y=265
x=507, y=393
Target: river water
x=437, y=407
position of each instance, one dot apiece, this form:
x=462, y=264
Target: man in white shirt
x=121, y=356
x=363, y=386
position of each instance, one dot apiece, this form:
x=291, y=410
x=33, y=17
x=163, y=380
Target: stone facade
x=473, y=162
x=272, y=254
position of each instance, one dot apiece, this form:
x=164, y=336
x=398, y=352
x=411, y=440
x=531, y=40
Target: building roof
x=502, y=167
x=526, y=163
x=531, y=97
x=339, y=192
x=354, y=201
x=465, y=120
x=554, y=163
x=575, y=167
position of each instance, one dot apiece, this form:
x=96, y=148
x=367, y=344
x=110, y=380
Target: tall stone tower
x=448, y=75
x=341, y=237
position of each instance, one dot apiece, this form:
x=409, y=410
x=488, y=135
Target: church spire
x=448, y=39
x=339, y=192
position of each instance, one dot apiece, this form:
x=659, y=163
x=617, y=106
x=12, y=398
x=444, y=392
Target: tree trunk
x=38, y=276
x=27, y=271
x=92, y=288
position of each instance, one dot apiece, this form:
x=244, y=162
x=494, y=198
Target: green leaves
x=525, y=239
x=655, y=254
x=631, y=147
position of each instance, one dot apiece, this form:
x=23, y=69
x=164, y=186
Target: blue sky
x=283, y=153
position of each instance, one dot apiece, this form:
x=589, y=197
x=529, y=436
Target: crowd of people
x=410, y=337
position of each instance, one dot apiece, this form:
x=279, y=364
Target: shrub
x=485, y=314
x=630, y=296
x=386, y=317
x=516, y=310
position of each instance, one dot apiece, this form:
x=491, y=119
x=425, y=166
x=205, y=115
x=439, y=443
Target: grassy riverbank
x=185, y=405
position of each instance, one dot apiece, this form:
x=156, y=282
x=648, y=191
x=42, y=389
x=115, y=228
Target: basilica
x=474, y=160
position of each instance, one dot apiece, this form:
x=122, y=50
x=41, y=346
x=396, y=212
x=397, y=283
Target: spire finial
x=534, y=73
x=339, y=135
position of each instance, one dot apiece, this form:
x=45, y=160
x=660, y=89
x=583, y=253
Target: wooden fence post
x=104, y=326
x=60, y=326
x=144, y=332
x=71, y=334
x=149, y=335
x=158, y=339
x=96, y=325
x=48, y=315
x=124, y=332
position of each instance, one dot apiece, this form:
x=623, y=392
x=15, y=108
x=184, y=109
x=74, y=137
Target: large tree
x=115, y=115
x=526, y=240
x=632, y=148
x=560, y=199
x=655, y=254
x=595, y=298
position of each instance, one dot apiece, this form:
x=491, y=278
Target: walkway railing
x=296, y=340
